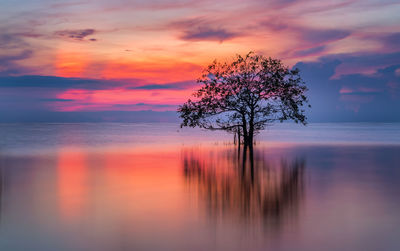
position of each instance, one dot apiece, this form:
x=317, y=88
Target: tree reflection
x=245, y=185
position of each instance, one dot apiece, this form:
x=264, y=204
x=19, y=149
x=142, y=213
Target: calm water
x=158, y=187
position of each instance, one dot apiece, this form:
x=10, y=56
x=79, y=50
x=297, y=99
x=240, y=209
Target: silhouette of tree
x=244, y=96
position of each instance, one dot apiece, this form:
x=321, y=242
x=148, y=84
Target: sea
x=156, y=186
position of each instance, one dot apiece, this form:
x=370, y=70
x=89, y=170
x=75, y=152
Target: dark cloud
x=310, y=51
x=62, y=83
x=393, y=38
x=323, y=36
x=315, y=40
x=56, y=100
x=320, y=70
x=390, y=41
x=13, y=48
x=363, y=63
x=140, y=105
x=9, y=65
x=39, y=116
x=279, y=4
x=351, y=97
x=53, y=82
x=208, y=33
x=199, y=29
x=77, y=35
x=171, y=86
x=11, y=41
x=18, y=56
x=157, y=87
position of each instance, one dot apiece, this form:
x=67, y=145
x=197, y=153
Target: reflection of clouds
x=251, y=188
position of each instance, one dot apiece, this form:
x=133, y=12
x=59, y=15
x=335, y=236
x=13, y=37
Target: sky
x=120, y=60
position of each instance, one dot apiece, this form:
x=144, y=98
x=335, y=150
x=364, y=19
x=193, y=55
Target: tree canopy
x=246, y=95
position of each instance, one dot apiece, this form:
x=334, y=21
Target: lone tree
x=244, y=96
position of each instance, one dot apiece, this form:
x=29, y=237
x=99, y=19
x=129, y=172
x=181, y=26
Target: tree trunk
x=238, y=134
x=245, y=140
x=244, y=128
x=238, y=137
x=251, y=128
x=248, y=137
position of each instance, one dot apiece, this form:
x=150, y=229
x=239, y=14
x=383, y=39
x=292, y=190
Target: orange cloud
x=84, y=100
x=160, y=71
x=70, y=64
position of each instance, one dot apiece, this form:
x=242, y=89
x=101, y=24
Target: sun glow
x=70, y=64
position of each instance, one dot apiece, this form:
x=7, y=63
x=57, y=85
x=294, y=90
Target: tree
x=245, y=96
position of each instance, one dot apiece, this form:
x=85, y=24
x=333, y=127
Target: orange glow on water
x=140, y=180
x=72, y=183
x=149, y=181
x=188, y=197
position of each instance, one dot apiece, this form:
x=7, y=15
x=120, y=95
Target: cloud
x=322, y=36
x=389, y=41
x=351, y=97
x=8, y=64
x=156, y=87
x=208, y=33
x=143, y=106
x=78, y=94
x=151, y=5
x=310, y=51
x=364, y=63
x=77, y=35
x=200, y=29
x=62, y=83
x=306, y=34
x=309, y=41
x=19, y=56
x=11, y=41
x=100, y=116
x=12, y=49
x=36, y=81
x=182, y=85
x=56, y=100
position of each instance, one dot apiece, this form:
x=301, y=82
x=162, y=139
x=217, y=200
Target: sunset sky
x=86, y=56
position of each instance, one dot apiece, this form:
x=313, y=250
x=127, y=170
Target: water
x=159, y=187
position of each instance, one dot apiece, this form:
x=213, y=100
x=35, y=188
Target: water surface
x=158, y=187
